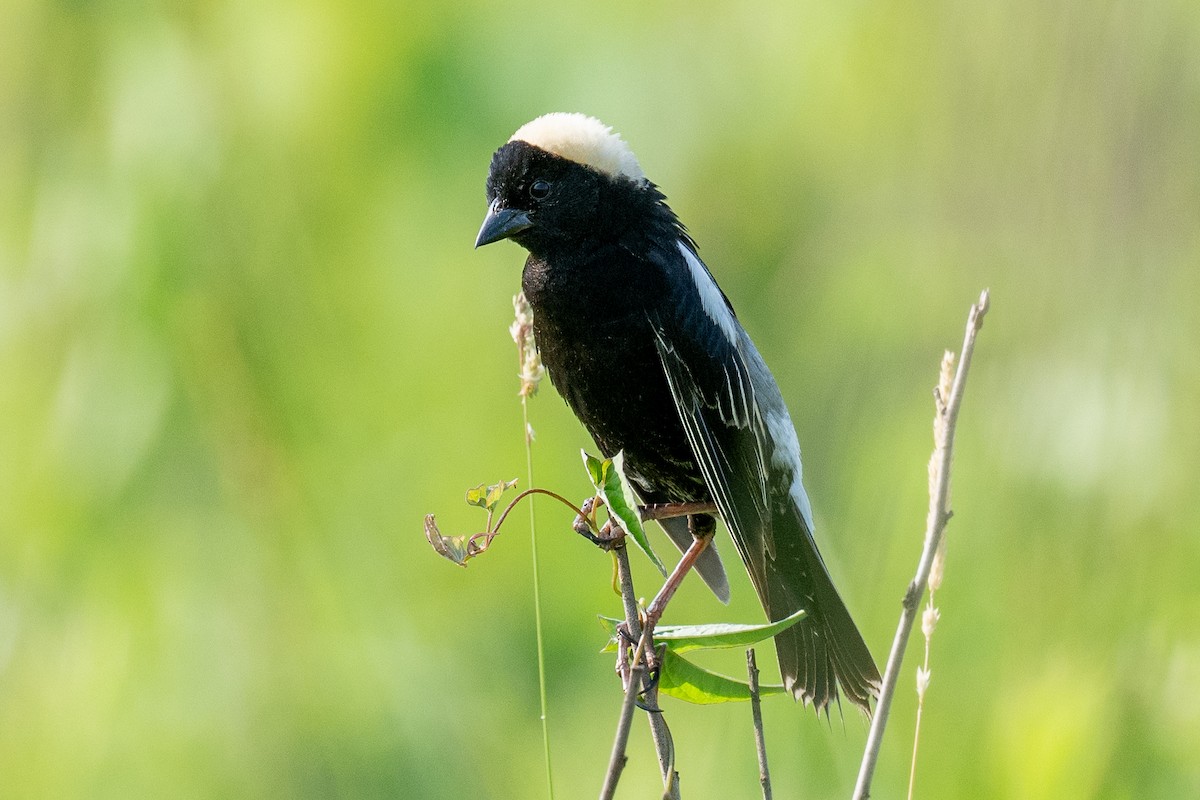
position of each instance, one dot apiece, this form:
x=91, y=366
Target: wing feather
x=730, y=450
x=743, y=442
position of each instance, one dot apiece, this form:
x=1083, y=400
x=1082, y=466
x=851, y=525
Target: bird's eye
x=539, y=190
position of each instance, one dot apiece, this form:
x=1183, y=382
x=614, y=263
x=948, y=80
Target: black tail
x=824, y=650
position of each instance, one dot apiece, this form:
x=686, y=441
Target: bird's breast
x=593, y=330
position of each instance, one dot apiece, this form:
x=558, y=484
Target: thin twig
x=618, y=759
x=939, y=515
x=632, y=673
x=663, y=744
x=760, y=741
x=629, y=600
x=535, y=490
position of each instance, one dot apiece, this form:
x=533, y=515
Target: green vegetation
x=245, y=346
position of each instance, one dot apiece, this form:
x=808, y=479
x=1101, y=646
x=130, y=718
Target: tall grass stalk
x=929, y=621
x=530, y=375
x=537, y=600
x=945, y=420
x=930, y=618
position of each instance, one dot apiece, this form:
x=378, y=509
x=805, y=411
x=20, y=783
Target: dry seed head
x=946, y=378
x=929, y=620
x=521, y=330
x=942, y=398
x=937, y=570
x=923, y=677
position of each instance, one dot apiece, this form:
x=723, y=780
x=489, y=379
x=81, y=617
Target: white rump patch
x=786, y=453
x=584, y=140
x=787, y=456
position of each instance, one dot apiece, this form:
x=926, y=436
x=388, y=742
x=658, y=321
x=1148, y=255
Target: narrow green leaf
x=684, y=680
x=621, y=501
x=685, y=638
x=610, y=627
x=595, y=469
x=610, y=483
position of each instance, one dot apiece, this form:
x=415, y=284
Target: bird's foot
x=610, y=535
x=653, y=511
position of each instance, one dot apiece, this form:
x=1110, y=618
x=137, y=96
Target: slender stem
x=922, y=684
x=527, y=493
x=939, y=515
x=658, y=726
x=618, y=759
x=635, y=677
x=664, y=744
x=760, y=741
x=912, y=767
x=633, y=620
x=537, y=604
x=631, y=674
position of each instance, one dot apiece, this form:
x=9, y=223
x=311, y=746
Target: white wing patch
x=765, y=401
x=584, y=140
x=710, y=296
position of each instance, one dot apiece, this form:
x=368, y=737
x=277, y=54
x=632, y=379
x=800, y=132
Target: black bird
x=646, y=350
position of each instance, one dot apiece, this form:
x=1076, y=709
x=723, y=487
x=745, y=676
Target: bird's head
x=548, y=181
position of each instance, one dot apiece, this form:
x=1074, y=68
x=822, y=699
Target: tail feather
x=822, y=653
x=825, y=651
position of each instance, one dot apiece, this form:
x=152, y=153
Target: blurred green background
x=245, y=345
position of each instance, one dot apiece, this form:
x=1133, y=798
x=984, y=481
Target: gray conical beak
x=501, y=223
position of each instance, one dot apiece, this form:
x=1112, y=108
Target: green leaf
x=496, y=491
x=452, y=547
x=622, y=502
x=609, y=480
x=477, y=496
x=685, y=638
x=684, y=680
x=488, y=496
x=595, y=469
x=610, y=627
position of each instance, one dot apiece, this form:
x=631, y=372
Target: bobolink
x=646, y=350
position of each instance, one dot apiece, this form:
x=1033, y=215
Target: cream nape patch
x=584, y=140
